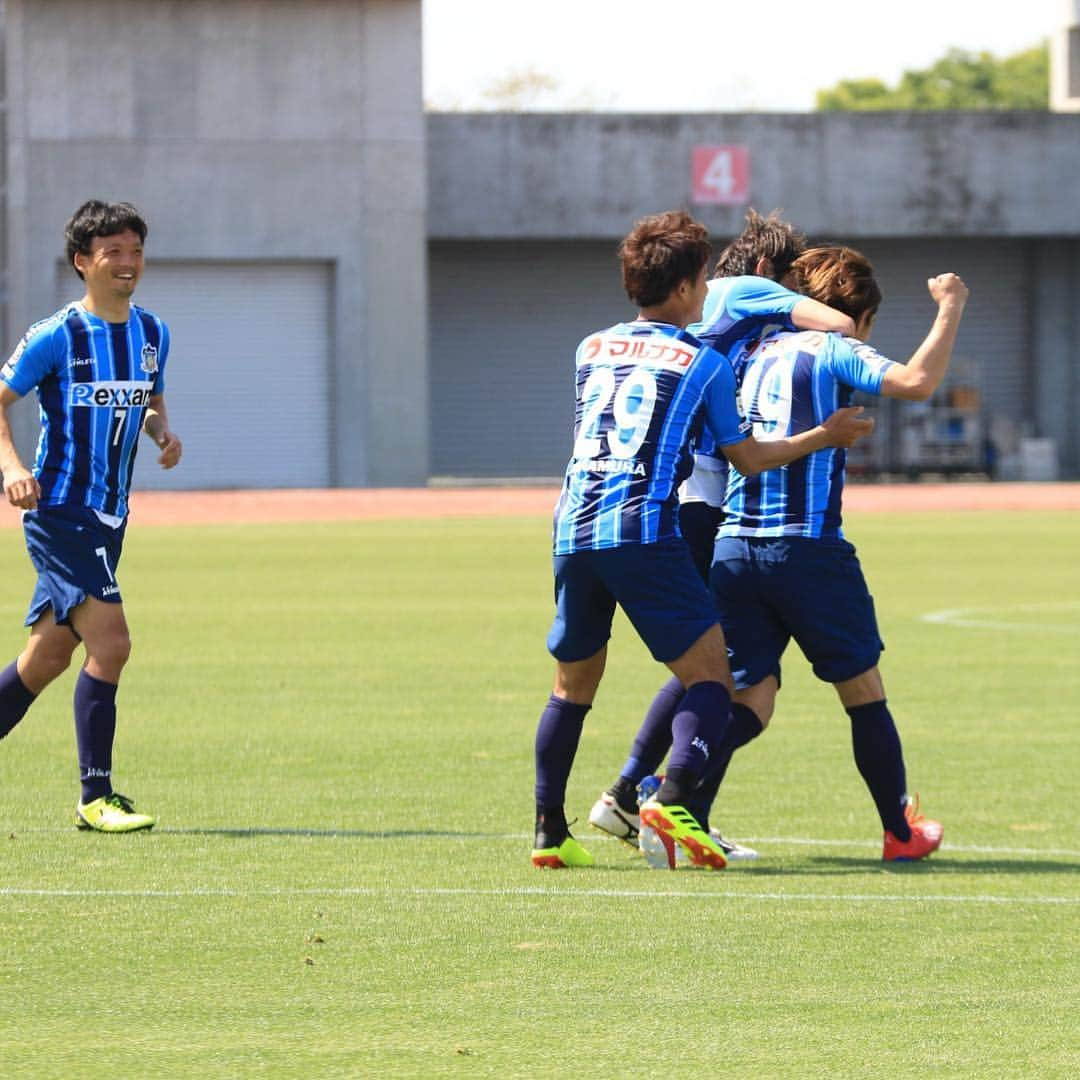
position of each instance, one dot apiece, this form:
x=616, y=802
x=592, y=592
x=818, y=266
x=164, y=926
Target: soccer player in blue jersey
x=781, y=566
x=747, y=298
x=98, y=367
x=644, y=391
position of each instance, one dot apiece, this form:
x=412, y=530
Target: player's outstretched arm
x=156, y=425
x=20, y=484
x=843, y=428
x=922, y=374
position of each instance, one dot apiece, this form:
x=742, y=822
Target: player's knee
x=45, y=664
x=111, y=652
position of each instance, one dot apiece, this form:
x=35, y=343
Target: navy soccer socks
x=557, y=737
x=880, y=761
x=651, y=744
x=15, y=699
x=744, y=727
x=696, y=730
x=95, y=728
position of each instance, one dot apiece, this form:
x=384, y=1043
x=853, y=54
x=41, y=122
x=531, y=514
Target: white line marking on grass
x=978, y=617
x=617, y=894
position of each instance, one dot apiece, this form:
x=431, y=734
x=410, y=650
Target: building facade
x=364, y=295
x=277, y=151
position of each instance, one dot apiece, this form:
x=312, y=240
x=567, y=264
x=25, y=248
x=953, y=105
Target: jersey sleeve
x=722, y=417
x=856, y=364
x=34, y=358
x=760, y=297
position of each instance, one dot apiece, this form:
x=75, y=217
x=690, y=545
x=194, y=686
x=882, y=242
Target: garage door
x=248, y=381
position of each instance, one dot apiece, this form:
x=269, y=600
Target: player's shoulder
x=145, y=313
x=52, y=325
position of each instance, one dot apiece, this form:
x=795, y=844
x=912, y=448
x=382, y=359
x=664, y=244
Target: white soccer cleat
x=733, y=850
x=608, y=816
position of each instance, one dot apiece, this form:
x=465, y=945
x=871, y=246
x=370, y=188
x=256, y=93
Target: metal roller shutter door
x=505, y=319
x=248, y=381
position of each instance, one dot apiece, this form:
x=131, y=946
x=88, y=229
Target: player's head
x=766, y=247
x=96, y=220
x=662, y=253
x=844, y=279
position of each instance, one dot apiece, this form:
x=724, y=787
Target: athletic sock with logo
x=880, y=761
x=696, y=731
x=95, y=728
x=744, y=727
x=15, y=699
x=651, y=743
x=557, y=737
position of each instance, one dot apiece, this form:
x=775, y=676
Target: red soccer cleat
x=925, y=837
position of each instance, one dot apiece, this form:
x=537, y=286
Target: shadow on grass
x=939, y=864
x=330, y=834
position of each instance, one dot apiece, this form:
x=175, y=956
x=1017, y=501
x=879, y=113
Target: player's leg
x=835, y=624
x=104, y=631
x=584, y=608
x=616, y=811
x=46, y=656
x=669, y=606
x=879, y=757
x=751, y=711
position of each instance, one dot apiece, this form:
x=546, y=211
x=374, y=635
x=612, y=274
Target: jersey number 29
x=626, y=423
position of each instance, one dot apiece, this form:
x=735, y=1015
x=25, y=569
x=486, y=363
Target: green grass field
x=334, y=724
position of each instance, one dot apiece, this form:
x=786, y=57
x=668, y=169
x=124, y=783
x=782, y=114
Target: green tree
x=959, y=80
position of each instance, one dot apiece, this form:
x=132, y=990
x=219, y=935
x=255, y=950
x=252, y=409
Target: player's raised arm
x=20, y=484
x=922, y=374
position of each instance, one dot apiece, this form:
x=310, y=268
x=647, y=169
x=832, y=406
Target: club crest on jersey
x=149, y=359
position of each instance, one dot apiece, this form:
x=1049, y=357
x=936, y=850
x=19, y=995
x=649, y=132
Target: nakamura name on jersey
x=788, y=384
x=644, y=391
x=94, y=380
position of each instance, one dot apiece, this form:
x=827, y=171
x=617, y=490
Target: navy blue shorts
x=769, y=591
x=655, y=584
x=698, y=522
x=75, y=555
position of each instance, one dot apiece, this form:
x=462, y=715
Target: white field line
x=627, y=894
x=978, y=617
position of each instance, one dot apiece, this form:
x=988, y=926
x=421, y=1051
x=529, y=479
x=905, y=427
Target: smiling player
x=98, y=366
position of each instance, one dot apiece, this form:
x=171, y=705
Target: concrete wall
x=847, y=174
x=857, y=177
x=243, y=129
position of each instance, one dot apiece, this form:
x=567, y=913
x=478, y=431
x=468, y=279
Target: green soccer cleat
x=568, y=854
x=111, y=813
x=676, y=823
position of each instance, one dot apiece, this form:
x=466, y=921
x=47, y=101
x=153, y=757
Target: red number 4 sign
x=721, y=174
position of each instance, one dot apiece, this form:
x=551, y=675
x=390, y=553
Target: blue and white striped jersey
x=94, y=380
x=790, y=383
x=737, y=310
x=644, y=391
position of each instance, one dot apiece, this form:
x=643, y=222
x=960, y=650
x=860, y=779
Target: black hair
x=96, y=218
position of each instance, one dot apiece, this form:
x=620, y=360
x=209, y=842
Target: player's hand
x=171, y=449
x=846, y=427
x=22, y=489
x=948, y=289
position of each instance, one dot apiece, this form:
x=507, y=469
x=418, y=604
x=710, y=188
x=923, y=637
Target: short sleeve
x=856, y=364
x=722, y=416
x=31, y=362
